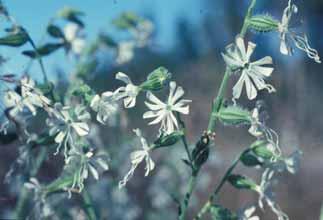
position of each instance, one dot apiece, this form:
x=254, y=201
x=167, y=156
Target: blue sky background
x=35, y=14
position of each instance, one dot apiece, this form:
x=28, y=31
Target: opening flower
x=164, y=112
x=237, y=57
x=128, y=93
x=137, y=157
x=287, y=35
x=105, y=106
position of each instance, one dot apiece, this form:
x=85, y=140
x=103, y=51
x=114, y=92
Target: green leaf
x=107, y=40
x=15, y=39
x=55, y=31
x=250, y=160
x=59, y=184
x=241, y=182
x=72, y=15
x=43, y=50
x=126, y=20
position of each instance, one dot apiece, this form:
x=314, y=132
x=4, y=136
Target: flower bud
x=168, y=140
x=250, y=160
x=263, y=23
x=241, y=182
x=260, y=149
x=234, y=115
x=156, y=80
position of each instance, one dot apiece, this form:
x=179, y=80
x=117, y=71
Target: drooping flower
x=72, y=36
x=237, y=58
x=287, y=35
x=66, y=122
x=105, y=106
x=128, y=93
x=137, y=157
x=266, y=194
x=164, y=112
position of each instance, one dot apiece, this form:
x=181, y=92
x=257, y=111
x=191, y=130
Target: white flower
x=128, y=93
x=85, y=163
x=72, y=36
x=287, y=35
x=105, y=106
x=248, y=214
x=237, y=57
x=137, y=157
x=65, y=123
x=255, y=128
x=125, y=52
x=164, y=112
x=32, y=94
x=30, y=97
x=266, y=194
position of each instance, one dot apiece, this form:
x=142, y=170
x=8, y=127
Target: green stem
x=218, y=101
x=207, y=205
x=40, y=61
x=188, y=195
x=216, y=107
x=88, y=205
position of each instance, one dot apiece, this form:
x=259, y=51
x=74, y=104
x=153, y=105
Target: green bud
x=234, y=115
x=263, y=23
x=168, y=140
x=156, y=80
x=250, y=160
x=84, y=91
x=241, y=182
x=260, y=149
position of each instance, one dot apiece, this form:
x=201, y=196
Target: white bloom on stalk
x=248, y=214
x=105, y=106
x=85, y=163
x=287, y=35
x=164, y=112
x=67, y=122
x=137, y=157
x=237, y=58
x=30, y=97
x=128, y=93
x=72, y=36
x=125, y=52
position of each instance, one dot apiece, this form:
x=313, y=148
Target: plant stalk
x=217, y=103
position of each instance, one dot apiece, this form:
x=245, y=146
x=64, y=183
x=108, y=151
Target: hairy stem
x=216, y=107
x=88, y=205
x=188, y=195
